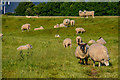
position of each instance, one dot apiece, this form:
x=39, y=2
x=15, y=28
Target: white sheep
x=66, y=22
x=25, y=27
x=80, y=30
x=78, y=39
x=40, y=28
x=25, y=47
x=72, y=22
x=81, y=53
x=67, y=42
x=62, y=25
x=91, y=42
x=57, y=26
x=99, y=53
x=101, y=41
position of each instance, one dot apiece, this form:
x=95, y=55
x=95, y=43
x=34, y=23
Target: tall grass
x=48, y=58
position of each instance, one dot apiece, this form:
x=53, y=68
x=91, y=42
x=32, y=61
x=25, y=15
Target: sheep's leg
x=80, y=60
x=86, y=61
x=99, y=64
x=64, y=46
x=93, y=63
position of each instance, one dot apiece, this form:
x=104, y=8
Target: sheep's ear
x=100, y=37
x=103, y=59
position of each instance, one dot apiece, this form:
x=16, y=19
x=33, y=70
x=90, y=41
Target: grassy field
x=48, y=58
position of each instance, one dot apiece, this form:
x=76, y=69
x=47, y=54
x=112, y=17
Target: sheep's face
x=106, y=63
x=80, y=11
x=83, y=47
x=28, y=45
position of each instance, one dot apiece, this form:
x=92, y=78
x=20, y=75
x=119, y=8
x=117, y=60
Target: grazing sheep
x=81, y=53
x=101, y=41
x=62, y=25
x=67, y=42
x=25, y=47
x=91, y=41
x=25, y=27
x=57, y=26
x=57, y=35
x=28, y=16
x=40, y=28
x=66, y=22
x=80, y=30
x=78, y=40
x=99, y=53
x=1, y=35
x=72, y=22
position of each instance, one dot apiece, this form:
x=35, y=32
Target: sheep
x=81, y=52
x=78, y=40
x=57, y=35
x=89, y=13
x=66, y=22
x=99, y=53
x=1, y=35
x=62, y=25
x=25, y=47
x=40, y=28
x=67, y=42
x=101, y=41
x=91, y=41
x=25, y=27
x=82, y=30
x=57, y=26
x=72, y=22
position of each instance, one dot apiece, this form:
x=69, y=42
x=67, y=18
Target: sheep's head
x=83, y=47
x=29, y=46
x=106, y=62
x=80, y=11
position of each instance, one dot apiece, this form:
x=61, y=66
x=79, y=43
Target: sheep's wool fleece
x=98, y=52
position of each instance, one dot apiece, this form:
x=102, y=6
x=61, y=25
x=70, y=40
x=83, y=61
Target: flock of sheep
x=97, y=51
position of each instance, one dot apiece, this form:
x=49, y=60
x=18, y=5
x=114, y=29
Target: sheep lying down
x=25, y=47
x=99, y=53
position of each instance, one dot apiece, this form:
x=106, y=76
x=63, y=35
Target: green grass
x=48, y=58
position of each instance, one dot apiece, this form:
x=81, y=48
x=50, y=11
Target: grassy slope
x=49, y=58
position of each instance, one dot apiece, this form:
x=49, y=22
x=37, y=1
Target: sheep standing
x=67, y=42
x=72, y=22
x=25, y=47
x=1, y=35
x=99, y=53
x=40, y=28
x=78, y=40
x=82, y=30
x=101, y=41
x=25, y=27
x=89, y=13
x=91, y=42
x=81, y=53
x=57, y=26
x=66, y=22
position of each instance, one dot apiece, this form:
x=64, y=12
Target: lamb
x=78, y=40
x=25, y=27
x=62, y=25
x=99, y=53
x=57, y=26
x=81, y=53
x=57, y=35
x=67, y=42
x=72, y=22
x=40, y=28
x=25, y=47
x=101, y=41
x=91, y=42
x=82, y=30
x=1, y=35
x=66, y=22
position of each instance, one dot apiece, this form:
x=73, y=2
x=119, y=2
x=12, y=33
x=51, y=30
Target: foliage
x=67, y=8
